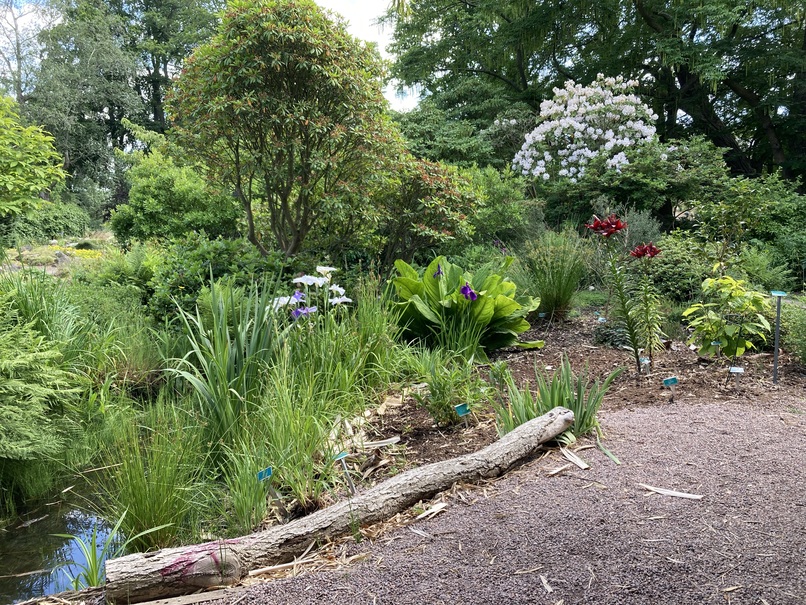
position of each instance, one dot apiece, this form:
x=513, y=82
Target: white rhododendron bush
x=582, y=123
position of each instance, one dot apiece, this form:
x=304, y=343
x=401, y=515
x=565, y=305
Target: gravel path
x=595, y=536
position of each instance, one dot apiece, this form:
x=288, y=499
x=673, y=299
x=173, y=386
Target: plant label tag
x=602, y=320
x=340, y=456
x=462, y=409
x=670, y=382
x=778, y=293
x=736, y=370
x=266, y=473
x=716, y=343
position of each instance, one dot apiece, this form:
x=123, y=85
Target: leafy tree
x=29, y=165
x=734, y=72
x=427, y=206
x=83, y=90
x=432, y=136
x=162, y=34
x=287, y=109
x=20, y=24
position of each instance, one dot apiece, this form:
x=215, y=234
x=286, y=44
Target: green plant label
x=266, y=473
x=670, y=382
x=463, y=409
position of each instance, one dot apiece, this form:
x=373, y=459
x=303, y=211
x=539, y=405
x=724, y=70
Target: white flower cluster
x=581, y=123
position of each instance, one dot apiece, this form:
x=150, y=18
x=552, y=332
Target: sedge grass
x=575, y=392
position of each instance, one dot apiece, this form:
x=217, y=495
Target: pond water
x=32, y=559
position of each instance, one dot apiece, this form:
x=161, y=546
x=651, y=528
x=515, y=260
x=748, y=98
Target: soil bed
x=596, y=536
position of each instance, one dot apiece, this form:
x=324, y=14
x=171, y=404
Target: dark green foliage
x=760, y=266
x=168, y=200
x=430, y=135
x=504, y=213
x=793, y=320
x=679, y=270
x=190, y=263
x=52, y=221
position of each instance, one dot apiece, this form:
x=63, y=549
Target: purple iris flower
x=302, y=312
x=438, y=272
x=298, y=296
x=468, y=292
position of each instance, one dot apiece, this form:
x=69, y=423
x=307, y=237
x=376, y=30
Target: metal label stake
x=671, y=383
x=342, y=457
x=463, y=411
x=736, y=371
x=265, y=475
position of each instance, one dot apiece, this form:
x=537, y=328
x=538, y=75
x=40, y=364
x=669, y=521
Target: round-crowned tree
x=286, y=109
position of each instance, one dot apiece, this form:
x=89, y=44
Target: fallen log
x=176, y=571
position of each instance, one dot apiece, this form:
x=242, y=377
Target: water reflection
x=31, y=557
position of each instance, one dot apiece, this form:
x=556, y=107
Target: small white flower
x=337, y=289
x=339, y=300
x=325, y=270
x=311, y=280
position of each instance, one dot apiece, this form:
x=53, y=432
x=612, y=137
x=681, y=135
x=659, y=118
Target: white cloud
x=362, y=22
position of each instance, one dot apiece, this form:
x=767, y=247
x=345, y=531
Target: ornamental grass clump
x=450, y=308
x=575, y=392
x=551, y=269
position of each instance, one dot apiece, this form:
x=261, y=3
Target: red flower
x=607, y=227
x=645, y=250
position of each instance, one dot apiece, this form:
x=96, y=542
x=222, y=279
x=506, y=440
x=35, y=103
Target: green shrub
x=679, y=270
x=731, y=315
x=793, y=327
x=192, y=261
x=167, y=200
x=551, y=269
x=505, y=213
x=451, y=381
x=34, y=394
x=757, y=264
x=53, y=220
x=459, y=311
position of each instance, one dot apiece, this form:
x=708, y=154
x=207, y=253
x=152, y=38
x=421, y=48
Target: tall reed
x=228, y=355
x=152, y=474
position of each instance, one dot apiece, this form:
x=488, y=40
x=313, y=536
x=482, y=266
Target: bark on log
x=176, y=571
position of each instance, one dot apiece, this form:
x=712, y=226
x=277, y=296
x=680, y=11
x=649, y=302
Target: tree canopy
x=286, y=107
x=732, y=71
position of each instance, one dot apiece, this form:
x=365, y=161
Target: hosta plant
x=454, y=309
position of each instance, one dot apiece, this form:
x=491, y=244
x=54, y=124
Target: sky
x=361, y=16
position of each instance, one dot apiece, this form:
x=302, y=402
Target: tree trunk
x=176, y=571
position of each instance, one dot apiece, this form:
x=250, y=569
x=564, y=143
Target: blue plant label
x=602, y=320
x=670, y=382
x=264, y=474
x=778, y=293
x=541, y=315
x=463, y=409
x=340, y=456
x=716, y=343
x=644, y=360
x=736, y=370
